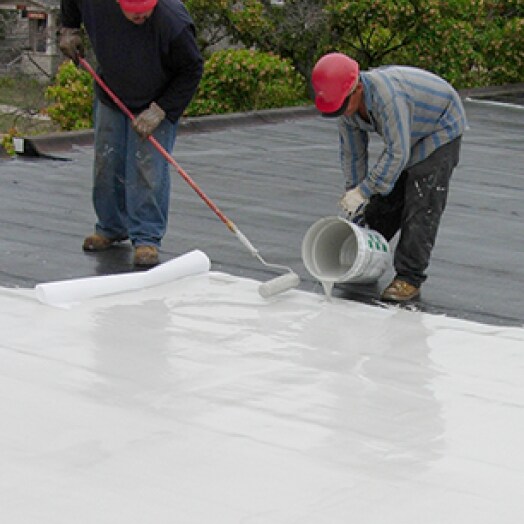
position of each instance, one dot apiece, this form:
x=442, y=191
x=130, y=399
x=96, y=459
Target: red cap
x=137, y=6
x=334, y=78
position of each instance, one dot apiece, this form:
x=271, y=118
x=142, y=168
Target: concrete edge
x=491, y=91
x=46, y=145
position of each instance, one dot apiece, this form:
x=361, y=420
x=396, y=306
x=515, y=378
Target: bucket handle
x=358, y=220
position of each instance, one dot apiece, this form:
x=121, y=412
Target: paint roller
x=276, y=285
x=270, y=288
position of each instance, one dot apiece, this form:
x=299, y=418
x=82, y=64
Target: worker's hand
x=148, y=120
x=71, y=43
x=353, y=203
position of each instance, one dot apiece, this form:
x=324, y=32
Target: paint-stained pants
x=415, y=206
x=131, y=179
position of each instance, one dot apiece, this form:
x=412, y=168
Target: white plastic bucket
x=336, y=250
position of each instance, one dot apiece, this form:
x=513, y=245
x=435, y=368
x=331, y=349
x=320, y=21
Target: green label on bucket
x=375, y=242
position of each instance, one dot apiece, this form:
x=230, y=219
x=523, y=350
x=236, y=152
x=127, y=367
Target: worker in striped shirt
x=420, y=118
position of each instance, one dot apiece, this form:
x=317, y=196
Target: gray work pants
x=415, y=206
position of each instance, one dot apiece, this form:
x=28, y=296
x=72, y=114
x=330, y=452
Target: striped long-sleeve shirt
x=414, y=111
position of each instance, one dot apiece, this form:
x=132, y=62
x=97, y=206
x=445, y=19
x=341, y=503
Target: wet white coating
x=199, y=402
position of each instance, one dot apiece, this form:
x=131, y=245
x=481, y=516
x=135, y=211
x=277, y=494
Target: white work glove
x=148, y=120
x=353, y=203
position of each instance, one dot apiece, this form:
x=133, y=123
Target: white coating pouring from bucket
x=336, y=250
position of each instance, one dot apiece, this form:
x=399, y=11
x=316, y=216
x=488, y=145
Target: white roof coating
x=198, y=401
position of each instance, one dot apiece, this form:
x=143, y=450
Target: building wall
x=31, y=45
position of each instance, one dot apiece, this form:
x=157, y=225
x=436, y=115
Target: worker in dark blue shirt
x=420, y=119
x=148, y=56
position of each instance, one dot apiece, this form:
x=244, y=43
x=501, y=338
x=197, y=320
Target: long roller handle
x=277, y=285
x=232, y=227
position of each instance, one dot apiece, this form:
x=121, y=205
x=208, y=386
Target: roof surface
x=197, y=401
x=274, y=178
x=190, y=398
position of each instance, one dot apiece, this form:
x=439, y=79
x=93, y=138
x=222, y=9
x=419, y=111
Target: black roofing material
x=274, y=180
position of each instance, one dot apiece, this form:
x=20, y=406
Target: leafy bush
x=7, y=141
x=371, y=31
x=209, y=17
x=294, y=29
x=72, y=98
x=233, y=80
x=502, y=48
x=237, y=80
x=471, y=43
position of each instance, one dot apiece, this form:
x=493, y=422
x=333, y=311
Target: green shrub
x=502, y=46
x=236, y=80
x=233, y=81
x=7, y=141
x=6, y=81
x=71, y=95
x=468, y=42
x=210, y=17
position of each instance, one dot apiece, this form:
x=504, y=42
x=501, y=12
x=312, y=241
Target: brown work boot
x=400, y=291
x=146, y=256
x=97, y=242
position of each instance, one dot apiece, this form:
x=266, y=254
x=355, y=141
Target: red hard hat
x=334, y=78
x=137, y=6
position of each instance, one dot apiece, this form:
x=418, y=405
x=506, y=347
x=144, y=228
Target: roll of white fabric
x=67, y=292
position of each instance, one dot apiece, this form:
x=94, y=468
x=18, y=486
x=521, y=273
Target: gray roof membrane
x=274, y=174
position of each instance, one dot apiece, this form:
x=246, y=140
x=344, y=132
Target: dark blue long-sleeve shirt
x=158, y=60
